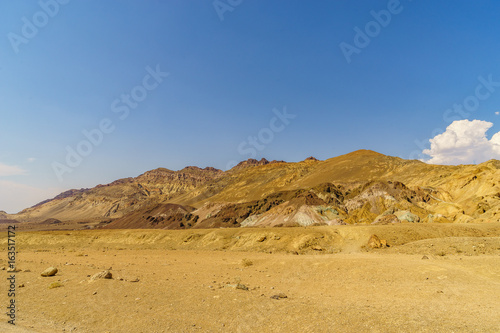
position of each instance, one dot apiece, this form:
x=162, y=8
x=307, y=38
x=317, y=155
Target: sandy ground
x=189, y=281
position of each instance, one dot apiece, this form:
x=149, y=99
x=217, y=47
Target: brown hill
x=105, y=202
x=158, y=216
x=360, y=187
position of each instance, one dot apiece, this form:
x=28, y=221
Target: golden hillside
x=360, y=187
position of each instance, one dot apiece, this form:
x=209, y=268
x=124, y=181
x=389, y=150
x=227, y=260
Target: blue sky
x=225, y=78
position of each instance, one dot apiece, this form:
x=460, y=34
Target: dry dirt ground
x=195, y=280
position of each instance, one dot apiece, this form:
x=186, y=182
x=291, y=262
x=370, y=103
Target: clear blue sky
x=225, y=78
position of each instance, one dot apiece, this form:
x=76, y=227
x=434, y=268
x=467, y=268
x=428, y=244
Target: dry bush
x=246, y=262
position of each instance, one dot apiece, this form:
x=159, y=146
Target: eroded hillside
x=361, y=187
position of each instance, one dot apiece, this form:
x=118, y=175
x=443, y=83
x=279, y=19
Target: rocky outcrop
x=159, y=216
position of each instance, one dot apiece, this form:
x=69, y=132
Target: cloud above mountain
x=464, y=142
x=10, y=170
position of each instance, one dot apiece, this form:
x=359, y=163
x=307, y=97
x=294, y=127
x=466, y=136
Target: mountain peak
x=366, y=152
x=198, y=169
x=252, y=162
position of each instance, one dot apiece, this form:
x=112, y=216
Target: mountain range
x=362, y=187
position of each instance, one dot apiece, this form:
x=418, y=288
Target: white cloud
x=464, y=142
x=15, y=197
x=497, y=113
x=31, y=159
x=10, y=170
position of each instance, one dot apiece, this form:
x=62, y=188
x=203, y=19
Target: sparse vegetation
x=55, y=284
x=246, y=262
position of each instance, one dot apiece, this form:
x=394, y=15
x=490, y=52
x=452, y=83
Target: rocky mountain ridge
x=359, y=187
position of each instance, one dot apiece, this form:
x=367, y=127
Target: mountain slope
x=359, y=187
x=121, y=196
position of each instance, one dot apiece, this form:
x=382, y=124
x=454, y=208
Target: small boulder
x=51, y=271
x=102, y=275
x=241, y=286
x=237, y=286
x=279, y=296
x=405, y=215
x=376, y=243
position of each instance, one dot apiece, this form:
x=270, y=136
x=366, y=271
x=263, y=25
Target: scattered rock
x=405, y=215
x=237, y=286
x=51, y=271
x=375, y=243
x=102, y=275
x=13, y=270
x=279, y=296
x=261, y=238
x=21, y=285
x=134, y=280
x=425, y=257
x=241, y=286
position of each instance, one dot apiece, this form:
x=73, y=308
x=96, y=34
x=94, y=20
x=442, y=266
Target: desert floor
x=196, y=280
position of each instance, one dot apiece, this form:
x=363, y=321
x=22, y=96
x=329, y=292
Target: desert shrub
x=55, y=285
x=246, y=262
